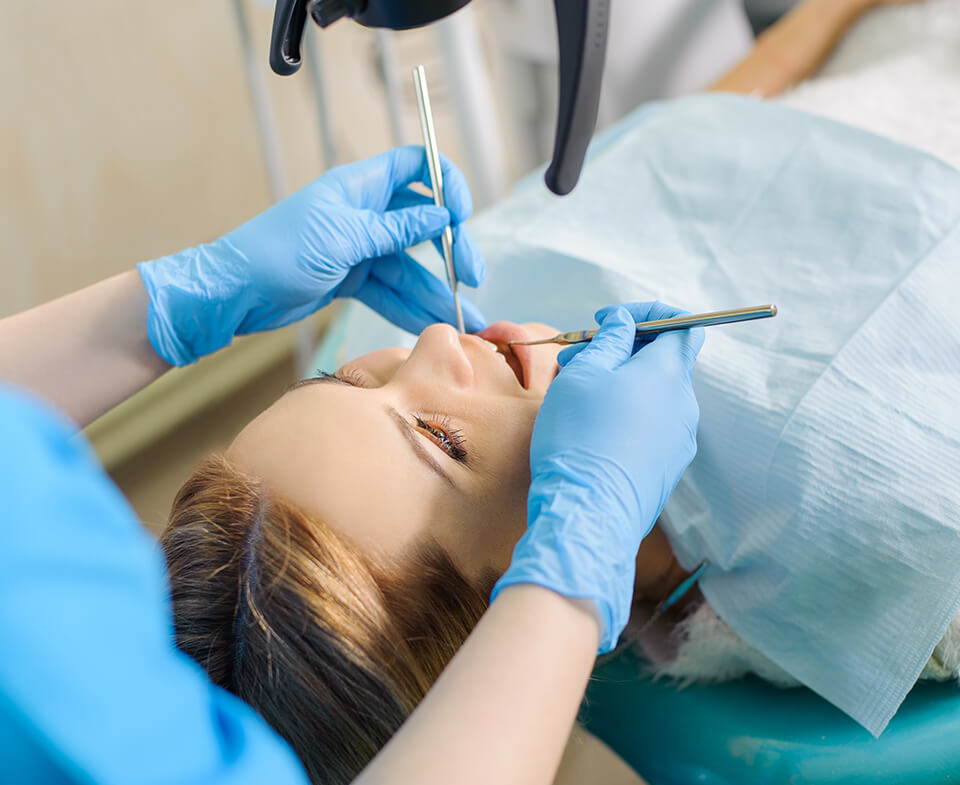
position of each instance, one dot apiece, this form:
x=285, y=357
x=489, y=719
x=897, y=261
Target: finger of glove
x=409, y=165
x=468, y=263
x=272, y=318
x=651, y=311
x=644, y=312
x=407, y=197
x=456, y=192
x=569, y=352
x=396, y=230
x=637, y=312
x=411, y=316
x=354, y=279
x=676, y=350
x=392, y=307
x=613, y=343
x=413, y=295
x=467, y=260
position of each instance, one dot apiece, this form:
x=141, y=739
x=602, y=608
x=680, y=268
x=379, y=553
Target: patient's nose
x=439, y=357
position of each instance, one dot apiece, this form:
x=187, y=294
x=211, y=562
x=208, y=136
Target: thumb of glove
x=611, y=346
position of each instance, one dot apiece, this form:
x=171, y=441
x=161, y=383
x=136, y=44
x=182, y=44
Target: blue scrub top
x=92, y=688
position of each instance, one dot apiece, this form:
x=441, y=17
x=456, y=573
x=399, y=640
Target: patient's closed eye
x=450, y=440
x=350, y=376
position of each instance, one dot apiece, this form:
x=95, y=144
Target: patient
x=332, y=561
x=329, y=565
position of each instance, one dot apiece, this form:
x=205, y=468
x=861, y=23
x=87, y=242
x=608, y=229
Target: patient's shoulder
x=704, y=648
x=944, y=663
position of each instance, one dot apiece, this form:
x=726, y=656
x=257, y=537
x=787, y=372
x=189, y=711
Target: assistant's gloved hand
x=344, y=235
x=617, y=429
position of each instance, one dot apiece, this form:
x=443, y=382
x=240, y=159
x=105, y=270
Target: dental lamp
x=581, y=33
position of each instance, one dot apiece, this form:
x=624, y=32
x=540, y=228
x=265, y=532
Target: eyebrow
x=406, y=429
x=416, y=443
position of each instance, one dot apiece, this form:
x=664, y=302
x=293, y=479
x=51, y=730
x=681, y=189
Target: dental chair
x=749, y=731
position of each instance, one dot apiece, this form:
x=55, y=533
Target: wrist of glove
x=570, y=508
x=206, y=286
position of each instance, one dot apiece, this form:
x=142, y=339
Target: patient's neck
x=658, y=573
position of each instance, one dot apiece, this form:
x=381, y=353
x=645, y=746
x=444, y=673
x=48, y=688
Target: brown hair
x=331, y=646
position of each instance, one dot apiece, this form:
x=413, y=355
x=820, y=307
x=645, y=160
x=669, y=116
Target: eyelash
x=450, y=440
x=351, y=377
x=437, y=428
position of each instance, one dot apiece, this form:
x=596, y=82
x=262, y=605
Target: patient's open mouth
x=514, y=363
x=517, y=357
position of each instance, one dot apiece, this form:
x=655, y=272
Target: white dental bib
x=826, y=490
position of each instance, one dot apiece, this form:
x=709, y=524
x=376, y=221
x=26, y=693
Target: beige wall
x=127, y=131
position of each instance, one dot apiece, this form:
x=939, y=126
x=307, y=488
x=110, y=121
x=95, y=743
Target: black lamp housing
x=581, y=33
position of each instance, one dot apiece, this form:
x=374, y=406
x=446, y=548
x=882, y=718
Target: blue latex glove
x=344, y=235
x=617, y=429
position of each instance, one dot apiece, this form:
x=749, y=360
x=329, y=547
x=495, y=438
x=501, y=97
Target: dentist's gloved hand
x=344, y=235
x=617, y=429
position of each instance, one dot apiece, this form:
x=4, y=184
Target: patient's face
x=405, y=444
x=430, y=442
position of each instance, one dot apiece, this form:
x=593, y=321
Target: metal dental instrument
x=665, y=325
x=436, y=180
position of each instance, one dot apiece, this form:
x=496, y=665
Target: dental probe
x=665, y=325
x=436, y=180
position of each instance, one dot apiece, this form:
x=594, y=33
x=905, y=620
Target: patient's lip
x=518, y=357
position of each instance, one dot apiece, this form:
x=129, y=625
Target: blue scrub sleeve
x=92, y=688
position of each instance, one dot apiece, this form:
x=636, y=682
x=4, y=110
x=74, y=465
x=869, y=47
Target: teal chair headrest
x=749, y=731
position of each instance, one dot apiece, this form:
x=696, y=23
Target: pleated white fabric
x=826, y=491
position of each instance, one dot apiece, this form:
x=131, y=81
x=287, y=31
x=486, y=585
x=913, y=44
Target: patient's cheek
x=502, y=437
